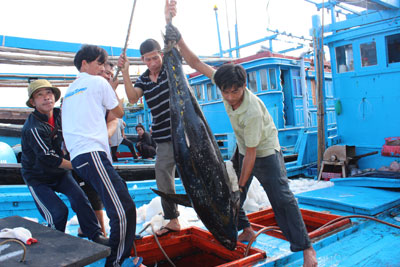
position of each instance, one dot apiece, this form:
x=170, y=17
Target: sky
x=105, y=23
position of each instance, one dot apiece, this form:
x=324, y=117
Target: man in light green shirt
x=260, y=155
x=253, y=126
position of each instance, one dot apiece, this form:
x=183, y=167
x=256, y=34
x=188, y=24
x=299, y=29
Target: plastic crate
x=329, y=175
x=390, y=150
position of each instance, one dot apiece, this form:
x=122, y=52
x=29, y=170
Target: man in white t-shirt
x=85, y=134
x=119, y=138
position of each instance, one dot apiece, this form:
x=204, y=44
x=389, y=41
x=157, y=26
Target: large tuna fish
x=198, y=158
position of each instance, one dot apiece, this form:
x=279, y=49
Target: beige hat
x=33, y=86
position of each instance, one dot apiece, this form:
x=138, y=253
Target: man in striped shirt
x=153, y=85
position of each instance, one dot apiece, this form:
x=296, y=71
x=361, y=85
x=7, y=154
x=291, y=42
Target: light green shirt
x=253, y=126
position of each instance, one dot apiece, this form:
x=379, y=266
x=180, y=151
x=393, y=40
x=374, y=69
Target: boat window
x=344, y=58
x=393, y=48
x=198, y=90
x=328, y=89
x=297, y=91
x=368, y=54
x=263, y=78
x=296, y=72
x=272, y=79
x=297, y=86
x=219, y=95
x=252, y=81
x=210, y=92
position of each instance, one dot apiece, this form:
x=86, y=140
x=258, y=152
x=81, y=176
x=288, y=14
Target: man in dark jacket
x=145, y=144
x=44, y=168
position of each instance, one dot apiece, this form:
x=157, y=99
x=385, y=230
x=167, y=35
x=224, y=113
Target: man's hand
x=172, y=33
x=123, y=64
x=170, y=10
x=113, y=83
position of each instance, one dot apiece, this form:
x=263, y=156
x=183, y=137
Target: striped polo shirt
x=156, y=95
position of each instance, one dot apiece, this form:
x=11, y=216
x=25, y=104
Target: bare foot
x=310, y=257
x=172, y=225
x=246, y=235
x=136, y=260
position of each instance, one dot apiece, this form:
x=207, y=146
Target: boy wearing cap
x=44, y=168
x=85, y=134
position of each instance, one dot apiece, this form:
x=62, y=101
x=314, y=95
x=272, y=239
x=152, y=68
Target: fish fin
x=233, y=178
x=180, y=199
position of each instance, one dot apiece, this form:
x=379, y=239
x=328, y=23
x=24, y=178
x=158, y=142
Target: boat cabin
x=365, y=58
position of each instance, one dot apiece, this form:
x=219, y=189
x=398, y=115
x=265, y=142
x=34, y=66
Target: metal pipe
x=236, y=33
x=219, y=36
x=229, y=31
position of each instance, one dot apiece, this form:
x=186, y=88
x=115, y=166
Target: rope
x=262, y=230
x=158, y=243
x=19, y=242
x=357, y=216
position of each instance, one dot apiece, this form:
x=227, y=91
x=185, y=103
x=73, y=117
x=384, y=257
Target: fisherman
x=260, y=155
x=44, y=168
x=153, y=84
x=91, y=194
x=112, y=122
x=119, y=138
x=145, y=144
x=85, y=134
x=259, y=150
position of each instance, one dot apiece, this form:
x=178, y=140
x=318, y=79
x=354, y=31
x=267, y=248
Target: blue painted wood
x=367, y=182
x=38, y=44
x=358, y=200
x=17, y=200
x=50, y=77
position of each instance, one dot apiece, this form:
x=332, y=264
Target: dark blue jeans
x=271, y=173
x=55, y=212
x=95, y=168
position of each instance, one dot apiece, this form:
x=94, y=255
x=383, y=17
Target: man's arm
x=247, y=166
x=113, y=83
x=194, y=61
x=133, y=93
x=65, y=164
x=41, y=144
x=118, y=111
x=112, y=124
x=172, y=32
x=122, y=130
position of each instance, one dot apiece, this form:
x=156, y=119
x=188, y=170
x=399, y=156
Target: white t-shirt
x=116, y=138
x=83, y=114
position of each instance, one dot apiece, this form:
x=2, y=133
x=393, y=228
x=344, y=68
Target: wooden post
x=320, y=81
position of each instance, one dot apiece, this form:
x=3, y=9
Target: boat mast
x=219, y=36
x=317, y=33
x=229, y=31
x=236, y=33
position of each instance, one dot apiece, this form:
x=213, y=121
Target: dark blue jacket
x=41, y=149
